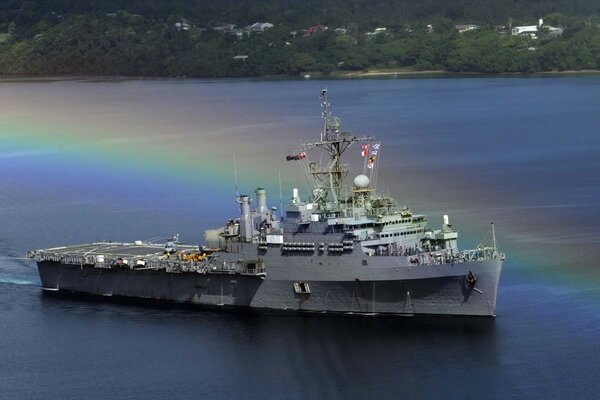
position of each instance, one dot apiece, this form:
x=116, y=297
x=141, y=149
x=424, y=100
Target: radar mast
x=329, y=180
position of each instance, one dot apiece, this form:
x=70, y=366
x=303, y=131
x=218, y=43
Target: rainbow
x=118, y=143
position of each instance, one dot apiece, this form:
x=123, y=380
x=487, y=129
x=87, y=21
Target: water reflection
x=296, y=356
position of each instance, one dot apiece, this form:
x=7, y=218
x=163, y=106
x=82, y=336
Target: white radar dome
x=361, y=182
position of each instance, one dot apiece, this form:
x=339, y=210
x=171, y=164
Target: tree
x=302, y=62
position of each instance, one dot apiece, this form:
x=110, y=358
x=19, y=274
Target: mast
x=325, y=114
x=330, y=139
x=329, y=181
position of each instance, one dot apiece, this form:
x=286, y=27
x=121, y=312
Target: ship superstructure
x=343, y=249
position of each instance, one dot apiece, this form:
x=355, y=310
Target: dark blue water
x=520, y=151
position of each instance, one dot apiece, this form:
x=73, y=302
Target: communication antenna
x=237, y=193
x=280, y=198
x=326, y=114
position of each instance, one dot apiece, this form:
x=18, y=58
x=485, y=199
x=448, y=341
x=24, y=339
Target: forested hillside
x=218, y=38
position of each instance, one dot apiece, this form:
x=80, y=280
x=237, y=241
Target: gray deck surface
x=145, y=250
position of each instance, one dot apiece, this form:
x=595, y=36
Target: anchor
x=471, y=280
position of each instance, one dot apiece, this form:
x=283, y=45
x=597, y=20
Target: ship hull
x=378, y=290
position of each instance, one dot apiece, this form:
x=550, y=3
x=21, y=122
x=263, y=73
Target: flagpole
x=377, y=168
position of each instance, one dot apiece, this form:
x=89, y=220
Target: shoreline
x=405, y=72
x=365, y=74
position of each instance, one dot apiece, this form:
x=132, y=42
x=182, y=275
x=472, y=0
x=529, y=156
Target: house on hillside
x=466, y=28
x=260, y=26
x=182, y=25
x=239, y=33
x=527, y=30
x=224, y=28
x=534, y=31
x=377, y=31
x=314, y=29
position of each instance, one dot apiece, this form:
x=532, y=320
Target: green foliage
x=5, y=37
x=139, y=37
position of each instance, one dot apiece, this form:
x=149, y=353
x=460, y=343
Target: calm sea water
x=85, y=159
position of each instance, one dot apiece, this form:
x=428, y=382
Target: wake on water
x=17, y=271
x=17, y=281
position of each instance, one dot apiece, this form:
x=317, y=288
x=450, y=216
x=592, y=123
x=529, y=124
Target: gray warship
x=344, y=249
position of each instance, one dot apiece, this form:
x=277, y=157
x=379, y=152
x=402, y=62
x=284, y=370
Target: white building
x=533, y=30
x=529, y=30
x=182, y=26
x=466, y=28
x=260, y=26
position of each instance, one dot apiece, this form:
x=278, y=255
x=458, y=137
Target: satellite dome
x=361, y=182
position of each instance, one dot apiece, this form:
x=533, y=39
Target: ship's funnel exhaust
x=245, y=220
x=261, y=200
x=261, y=205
